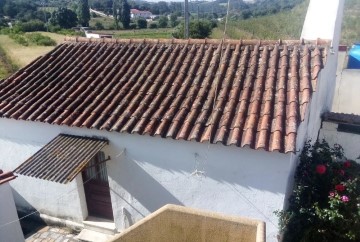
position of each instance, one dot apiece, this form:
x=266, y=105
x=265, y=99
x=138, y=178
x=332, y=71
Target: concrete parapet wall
x=177, y=223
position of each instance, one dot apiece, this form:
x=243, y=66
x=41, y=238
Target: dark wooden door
x=96, y=185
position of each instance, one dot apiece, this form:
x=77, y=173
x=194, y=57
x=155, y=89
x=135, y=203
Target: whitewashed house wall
x=349, y=141
x=324, y=25
x=151, y=173
x=10, y=230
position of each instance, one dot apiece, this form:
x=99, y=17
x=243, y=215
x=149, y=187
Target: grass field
x=284, y=25
x=144, y=33
x=161, y=33
x=351, y=22
x=57, y=37
x=106, y=22
x=22, y=55
x=6, y=67
x=288, y=25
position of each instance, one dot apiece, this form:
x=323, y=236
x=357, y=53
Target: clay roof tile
x=244, y=93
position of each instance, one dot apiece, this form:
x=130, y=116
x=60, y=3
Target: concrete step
x=100, y=225
x=93, y=236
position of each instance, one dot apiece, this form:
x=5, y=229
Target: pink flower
x=347, y=164
x=320, y=169
x=342, y=172
x=331, y=194
x=340, y=188
x=345, y=199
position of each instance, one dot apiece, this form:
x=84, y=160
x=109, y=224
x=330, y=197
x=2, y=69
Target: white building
x=198, y=123
x=135, y=13
x=342, y=129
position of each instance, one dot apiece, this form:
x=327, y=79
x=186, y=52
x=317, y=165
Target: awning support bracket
x=100, y=162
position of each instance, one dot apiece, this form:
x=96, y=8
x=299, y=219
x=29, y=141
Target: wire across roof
x=62, y=158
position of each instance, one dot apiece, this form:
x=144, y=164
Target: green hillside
x=288, y=25
x=351, y=22
x=285, y=25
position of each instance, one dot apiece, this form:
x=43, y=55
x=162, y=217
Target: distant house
x=91, y=34
x=117, y=128
x=135, y=13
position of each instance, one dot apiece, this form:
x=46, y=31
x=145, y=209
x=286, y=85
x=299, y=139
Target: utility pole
x=198, y=12
x=186, y=15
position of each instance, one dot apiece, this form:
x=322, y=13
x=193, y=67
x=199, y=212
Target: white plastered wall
x=347, y=96
x=350, y=142
x=10, y=230
x=58, y=200
x=153, y=172
x=324, y=23
x=323, y=20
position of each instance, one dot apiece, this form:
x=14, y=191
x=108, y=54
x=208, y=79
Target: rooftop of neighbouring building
x=342, y=118
x=6, y=177
x=136, y=11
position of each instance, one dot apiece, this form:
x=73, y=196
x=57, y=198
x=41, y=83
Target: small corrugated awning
x=62, y=158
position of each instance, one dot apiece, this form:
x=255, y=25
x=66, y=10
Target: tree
x=63, y=17
x=163, y=7
x=99, y=25
x=141, y=23
x=163, y=22
x=121, y=13
x=125, y=14
x=83, y=13
x=173, y=20
x=10, y=9
x=116, y=12
x=197, y=30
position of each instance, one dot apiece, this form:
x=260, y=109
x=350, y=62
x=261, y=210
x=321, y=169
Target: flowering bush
x=325, y=204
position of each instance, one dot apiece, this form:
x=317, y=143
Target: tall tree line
x=121, y=13
x=83, y=13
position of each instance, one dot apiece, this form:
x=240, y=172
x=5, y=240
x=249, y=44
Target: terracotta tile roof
x=62, y=158
x=136, y=11
x=6, y=177
x=342, y=118
x=243, y=93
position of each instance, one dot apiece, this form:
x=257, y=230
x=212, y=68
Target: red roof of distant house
x=6, y=177
x=242, y=93
x=136, y=11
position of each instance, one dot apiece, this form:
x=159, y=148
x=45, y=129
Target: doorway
x=96, y=186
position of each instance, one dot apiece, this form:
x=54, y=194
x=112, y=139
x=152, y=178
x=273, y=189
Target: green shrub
x=32, y=38
x=197, y=30
x=163, y=22
x=153, y=25
x=71, y=32
x=99, y=26
x=5, y=31
x=19, y=38
x=325, y=204
x=141, y=23
x=54, y=28
x=132, y=26
x=39, y=39
x=31, y=26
